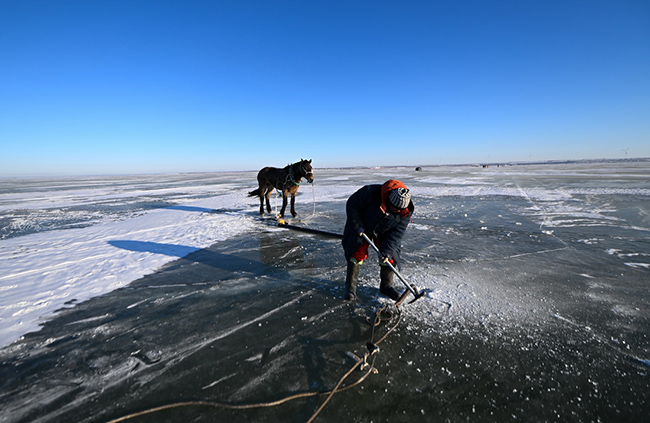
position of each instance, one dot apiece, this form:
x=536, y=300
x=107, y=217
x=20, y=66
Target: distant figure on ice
x=383, y=212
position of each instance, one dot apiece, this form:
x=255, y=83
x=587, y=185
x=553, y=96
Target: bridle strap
x=291, y=176
x=305, y=173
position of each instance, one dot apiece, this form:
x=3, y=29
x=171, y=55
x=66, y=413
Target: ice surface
x=123, y=293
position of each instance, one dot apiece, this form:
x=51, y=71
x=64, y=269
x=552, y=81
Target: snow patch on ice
x=590, y=241
x=42, y=270
x=639, y=265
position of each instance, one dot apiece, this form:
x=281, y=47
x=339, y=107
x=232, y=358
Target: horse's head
x=306, y=170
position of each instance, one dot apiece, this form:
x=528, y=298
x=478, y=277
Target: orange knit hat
x=388, y=186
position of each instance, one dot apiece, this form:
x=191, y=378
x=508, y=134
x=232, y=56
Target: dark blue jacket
x=364, y=212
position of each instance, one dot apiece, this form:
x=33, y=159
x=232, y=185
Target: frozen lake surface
x=119, y=294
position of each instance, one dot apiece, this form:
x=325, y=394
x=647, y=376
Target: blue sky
x=96, y=87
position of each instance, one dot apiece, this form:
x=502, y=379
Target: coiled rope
x=369, y=368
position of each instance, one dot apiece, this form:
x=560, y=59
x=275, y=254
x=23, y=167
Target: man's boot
x=351, y=281
x=386, y=287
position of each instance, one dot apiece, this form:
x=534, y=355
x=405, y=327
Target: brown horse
x=286, y=180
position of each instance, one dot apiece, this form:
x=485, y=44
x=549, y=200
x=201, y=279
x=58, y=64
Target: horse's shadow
x=154, y=247
x=192, y=209
x=206, y=256
x=196, y=209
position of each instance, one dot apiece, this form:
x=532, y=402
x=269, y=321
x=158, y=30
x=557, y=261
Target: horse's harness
x=290, y=177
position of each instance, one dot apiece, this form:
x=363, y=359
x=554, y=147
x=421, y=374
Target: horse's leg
x=284, y=202
x=293, y=204
x=269, y=190
x=261, y=202
x=262, y=185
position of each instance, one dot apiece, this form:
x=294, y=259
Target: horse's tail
x=255, y=193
